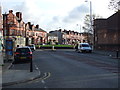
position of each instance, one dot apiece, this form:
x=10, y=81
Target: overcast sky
x=55, y=14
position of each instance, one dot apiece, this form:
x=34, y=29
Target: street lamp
x=79, y=27
x=91, y=30
x=90, y=14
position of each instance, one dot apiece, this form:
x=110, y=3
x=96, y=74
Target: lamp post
x=79, y=27
x=91, y=30
x=90, y=14
x=58, y=35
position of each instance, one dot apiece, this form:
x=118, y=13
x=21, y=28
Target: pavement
x=16, y=76
x=10, y=74
x=112, y=54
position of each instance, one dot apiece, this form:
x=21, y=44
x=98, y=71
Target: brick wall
x=107, y=33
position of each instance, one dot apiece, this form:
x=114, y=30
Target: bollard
x=53, y=48
x=117, y=54
x=31, y=66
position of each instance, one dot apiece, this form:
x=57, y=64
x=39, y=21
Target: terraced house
x=35, y=35
x=22, y=33
x=69, y=36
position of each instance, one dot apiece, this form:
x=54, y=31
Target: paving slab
x=16, y=74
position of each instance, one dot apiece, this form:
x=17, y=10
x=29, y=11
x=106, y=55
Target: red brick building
x=1, y=30
x=14, y=28
x=107, y=33
x=20, y=32
x=40, y=36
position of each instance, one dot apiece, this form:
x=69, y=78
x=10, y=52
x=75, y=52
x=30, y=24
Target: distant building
x=52, y=38
x=58, y=33
x=40, y=36
x=69, y=37
x=107, y=33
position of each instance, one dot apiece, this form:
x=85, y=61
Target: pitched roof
x=40, y=29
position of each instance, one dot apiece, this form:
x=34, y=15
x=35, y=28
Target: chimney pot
x=10, y=11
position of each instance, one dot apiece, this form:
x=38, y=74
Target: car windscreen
x=25, y=50
x=85, y=45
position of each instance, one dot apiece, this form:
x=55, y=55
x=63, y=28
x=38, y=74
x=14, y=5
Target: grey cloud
x=76, y=13
x=27, y=15
x=19, y=7
x=24, y=9
x=56, y=18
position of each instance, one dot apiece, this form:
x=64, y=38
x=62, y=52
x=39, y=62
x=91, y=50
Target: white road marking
x=43, y=81
x=37, y=69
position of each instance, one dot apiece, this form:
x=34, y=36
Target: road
x=69, y=69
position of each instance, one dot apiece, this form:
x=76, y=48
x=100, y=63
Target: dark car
x=23, y=54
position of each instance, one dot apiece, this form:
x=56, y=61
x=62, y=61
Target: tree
x=88, y=27
x=114, y=5
x=87, y=23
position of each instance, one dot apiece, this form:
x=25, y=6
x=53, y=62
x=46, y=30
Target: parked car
x=84, y=47
x=32, y=47
x=23, y=54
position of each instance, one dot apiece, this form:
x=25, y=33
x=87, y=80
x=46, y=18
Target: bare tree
x=87, y=23
x=88, y=30
x=114, y=5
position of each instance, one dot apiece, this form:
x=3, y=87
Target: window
x=25, y=50
x=12, y=32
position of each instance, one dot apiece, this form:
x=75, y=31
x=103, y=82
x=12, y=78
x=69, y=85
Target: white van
x=84, y=47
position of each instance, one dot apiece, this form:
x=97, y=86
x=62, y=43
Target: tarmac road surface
x=69, y=69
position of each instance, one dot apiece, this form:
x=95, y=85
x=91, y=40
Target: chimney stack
x=37, y=26
x=29, y=23
x=19, y=15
